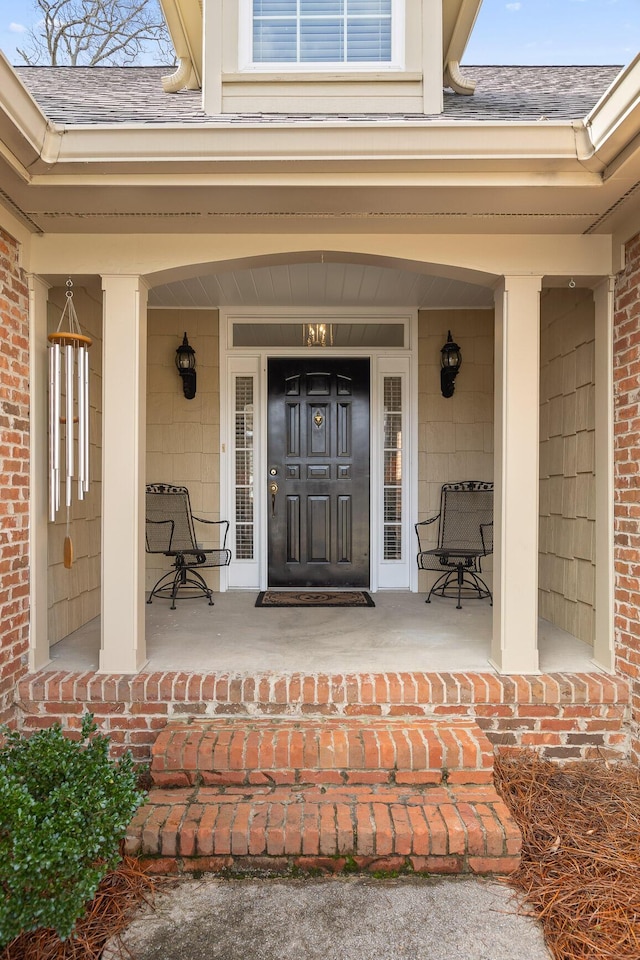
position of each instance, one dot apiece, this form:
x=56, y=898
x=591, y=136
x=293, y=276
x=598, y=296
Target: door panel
x=318, y=461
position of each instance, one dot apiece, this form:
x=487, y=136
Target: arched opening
x=188, y=441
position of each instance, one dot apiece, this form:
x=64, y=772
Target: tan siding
x=336, y=91
x=567, y=466
x=319, y=96
x=183, y=436
x=455, y=435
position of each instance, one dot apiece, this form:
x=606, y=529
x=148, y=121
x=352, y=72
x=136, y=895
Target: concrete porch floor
x=400, y=634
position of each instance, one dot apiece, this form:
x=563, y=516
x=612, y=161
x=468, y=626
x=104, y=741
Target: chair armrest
x=223, y=524
x=486, y=533
x=157, y=523
x=424, y=523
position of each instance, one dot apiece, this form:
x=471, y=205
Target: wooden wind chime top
x=64, y=337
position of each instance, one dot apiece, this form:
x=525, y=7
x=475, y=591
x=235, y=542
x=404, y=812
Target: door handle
x=273, y=489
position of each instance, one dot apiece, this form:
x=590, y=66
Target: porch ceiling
x=321, y=285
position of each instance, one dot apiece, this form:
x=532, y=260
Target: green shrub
x=64, y=807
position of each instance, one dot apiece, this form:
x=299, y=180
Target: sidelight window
x=393, y=466
x=244, y=468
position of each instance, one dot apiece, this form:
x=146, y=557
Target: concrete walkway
x=338, y=919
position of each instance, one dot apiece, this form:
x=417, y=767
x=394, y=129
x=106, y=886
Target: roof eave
x=529, y=149
x=613, y=125
x=26, y=135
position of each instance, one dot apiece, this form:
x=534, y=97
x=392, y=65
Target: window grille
x=322, y=31
x=393, y=467
x=244, y=468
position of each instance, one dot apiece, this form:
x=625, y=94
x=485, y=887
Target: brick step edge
x=295, y=752
x=237, y=867
x=239, y=778
x=464, y=829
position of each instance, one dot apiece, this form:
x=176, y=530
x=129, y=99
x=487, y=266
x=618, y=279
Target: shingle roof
x=116, y=95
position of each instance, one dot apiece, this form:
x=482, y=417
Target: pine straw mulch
x=580, y=867
x=108, y=914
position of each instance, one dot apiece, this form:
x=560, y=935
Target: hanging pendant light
x=68, y=415
x=317, y=334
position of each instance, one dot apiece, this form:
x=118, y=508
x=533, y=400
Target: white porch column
x=124, y=391
x=603, y=653
x=38, y=466
x=517, y=401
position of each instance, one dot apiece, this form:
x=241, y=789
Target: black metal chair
x=170, y=530
x=464, y=537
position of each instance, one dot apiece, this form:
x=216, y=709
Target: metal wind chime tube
x=83, y=422
x=69, y=359
x=72, y=345
x=54, y=431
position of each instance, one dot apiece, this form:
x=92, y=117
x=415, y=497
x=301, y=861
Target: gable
x=310, y=56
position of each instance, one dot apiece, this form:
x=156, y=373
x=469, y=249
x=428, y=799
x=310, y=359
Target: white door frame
x=252, y=362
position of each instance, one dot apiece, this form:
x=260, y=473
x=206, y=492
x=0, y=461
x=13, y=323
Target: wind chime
x=68, y=415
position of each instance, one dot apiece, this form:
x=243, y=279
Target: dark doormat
x=320, y=598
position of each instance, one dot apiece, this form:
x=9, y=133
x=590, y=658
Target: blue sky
x=556, y=32
x=516, y=32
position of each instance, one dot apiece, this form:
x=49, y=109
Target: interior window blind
x=321, y=31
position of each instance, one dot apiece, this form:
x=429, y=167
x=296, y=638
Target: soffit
x=382, y=203
x=403, y=202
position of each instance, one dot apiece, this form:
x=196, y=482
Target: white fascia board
x=27, y=134
x=614, y=122
x=522, y=144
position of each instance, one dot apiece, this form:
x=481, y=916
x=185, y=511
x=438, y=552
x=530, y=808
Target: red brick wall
x=14, y=474
x=627, y=480
x=565, y=716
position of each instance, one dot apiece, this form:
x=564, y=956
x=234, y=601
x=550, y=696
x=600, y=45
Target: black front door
x=318, y=472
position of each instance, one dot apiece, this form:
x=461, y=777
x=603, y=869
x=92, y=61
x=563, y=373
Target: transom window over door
x=323, y=31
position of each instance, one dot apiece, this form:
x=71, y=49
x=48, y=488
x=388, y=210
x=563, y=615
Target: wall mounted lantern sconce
x=186, y=364
x=450, y=362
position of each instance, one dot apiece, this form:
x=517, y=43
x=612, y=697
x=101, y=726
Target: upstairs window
x=321, y=32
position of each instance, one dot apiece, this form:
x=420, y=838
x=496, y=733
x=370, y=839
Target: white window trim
x=402, y=361
x=247, y=64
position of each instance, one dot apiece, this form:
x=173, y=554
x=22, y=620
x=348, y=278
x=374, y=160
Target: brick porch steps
x=382, y=828
x=278, y=796
x=267, y=751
